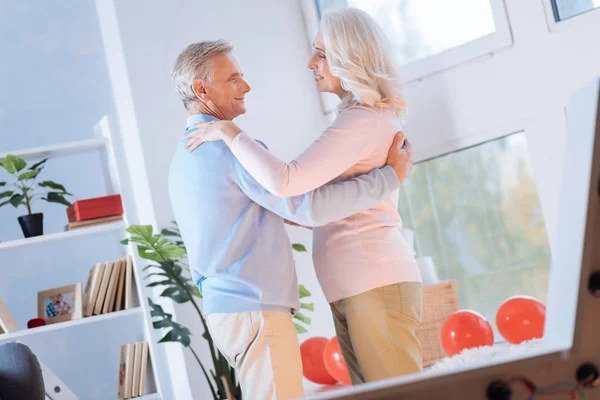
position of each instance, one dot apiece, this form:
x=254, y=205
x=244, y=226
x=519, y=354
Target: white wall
x=283, y=107
x=523, y=87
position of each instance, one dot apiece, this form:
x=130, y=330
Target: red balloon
x=466, y=329
x=521, y=318
x=313, y=365
x=334, y=362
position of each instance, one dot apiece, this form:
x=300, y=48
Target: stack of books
x=108, y=287
x=132, y=369
x=95, y=211
x=7, y=322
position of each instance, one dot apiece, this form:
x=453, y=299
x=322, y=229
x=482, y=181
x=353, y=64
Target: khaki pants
x=263, y=348
x=376, y=331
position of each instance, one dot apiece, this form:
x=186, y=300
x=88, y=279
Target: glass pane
x=476, y=212
x=421, y=28
x=564, y=9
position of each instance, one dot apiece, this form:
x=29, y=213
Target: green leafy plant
x=168, y=253
x=303, y=293
x=26, y=190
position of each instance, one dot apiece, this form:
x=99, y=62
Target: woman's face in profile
x=326, y=82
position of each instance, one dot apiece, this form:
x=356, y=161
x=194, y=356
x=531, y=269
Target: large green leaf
x=164, y=320
x=175, y=234
x=16, y=200
x=303, y=291
x=298, y=247
x=148, y=253
x=7, y=193
x=153, y=247
x=176, y=286
x=54, y=197
x=144, y=231
x=197, y=292
x=158, y=283
x=178, y=333
x=162, y=323
x=175, y=293
x=29, y=175
x=301, y=317
x=300, y=329
x=39, y=165
x=13, y=164
x=54, y=186
x=156, y=274
x=170, y=232
x=5, y=203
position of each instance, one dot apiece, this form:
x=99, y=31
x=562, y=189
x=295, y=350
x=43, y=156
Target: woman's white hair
x=359, y=54
x=194, y=62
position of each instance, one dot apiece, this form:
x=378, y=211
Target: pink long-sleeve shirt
x=364, y=251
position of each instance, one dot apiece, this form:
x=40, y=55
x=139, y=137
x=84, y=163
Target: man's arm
x=329, y=203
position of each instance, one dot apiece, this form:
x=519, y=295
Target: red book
x=97, y=207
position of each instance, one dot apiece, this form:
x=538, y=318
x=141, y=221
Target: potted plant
x=168, y=253
x=26, y=190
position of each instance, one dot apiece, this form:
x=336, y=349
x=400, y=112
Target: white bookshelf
x=20, y=334
x=112, y=329
x=53, y=237
x=152, y=396
x=59, y=150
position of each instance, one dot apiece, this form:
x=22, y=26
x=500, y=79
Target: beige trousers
x=263, y=348
x=376, y=331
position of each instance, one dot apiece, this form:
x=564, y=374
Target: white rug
x=486, y=353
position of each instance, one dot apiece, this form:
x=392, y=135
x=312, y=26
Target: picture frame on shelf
x=60, y=304
x=7, y=322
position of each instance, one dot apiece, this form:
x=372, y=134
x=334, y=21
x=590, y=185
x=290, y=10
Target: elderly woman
x=365, y=268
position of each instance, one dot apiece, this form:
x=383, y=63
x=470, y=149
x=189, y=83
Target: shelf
x=151, y=396
x=52, y=237
x=56, y=150
x=69, y=324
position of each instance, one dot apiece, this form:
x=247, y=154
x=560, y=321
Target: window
x=476, y=212
x=565, y=9
x=428, y=36
x=421, y=28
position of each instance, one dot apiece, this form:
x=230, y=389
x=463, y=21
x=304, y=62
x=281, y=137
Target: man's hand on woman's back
x=400, y=157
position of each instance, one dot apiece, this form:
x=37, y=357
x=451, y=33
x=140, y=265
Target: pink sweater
x=366, y=250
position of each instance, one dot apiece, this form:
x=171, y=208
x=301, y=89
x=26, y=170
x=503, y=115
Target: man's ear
x=199, y=89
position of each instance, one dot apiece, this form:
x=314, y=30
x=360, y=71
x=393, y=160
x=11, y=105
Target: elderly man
x=239, y=253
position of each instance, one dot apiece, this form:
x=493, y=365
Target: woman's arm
x=348, y=140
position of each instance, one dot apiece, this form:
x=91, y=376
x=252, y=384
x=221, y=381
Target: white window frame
x=569, y=23
x=417, y=70
x=463, y=143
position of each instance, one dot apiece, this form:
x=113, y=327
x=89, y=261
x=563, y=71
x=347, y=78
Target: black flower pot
x=32, y=225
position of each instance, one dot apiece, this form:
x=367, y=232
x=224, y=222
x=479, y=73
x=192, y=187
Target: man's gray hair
x=194, y=62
